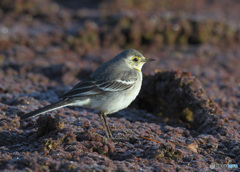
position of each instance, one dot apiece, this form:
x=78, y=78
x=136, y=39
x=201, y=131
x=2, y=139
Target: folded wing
x=91, y=86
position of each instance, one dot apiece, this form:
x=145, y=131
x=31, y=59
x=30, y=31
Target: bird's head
x=133, y=58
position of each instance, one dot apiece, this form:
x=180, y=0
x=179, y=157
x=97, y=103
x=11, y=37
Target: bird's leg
x=101, y=116
x=106, y=122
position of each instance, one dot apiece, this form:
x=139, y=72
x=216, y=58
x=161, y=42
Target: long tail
x=45, y=109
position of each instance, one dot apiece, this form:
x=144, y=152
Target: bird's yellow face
x=137, y=61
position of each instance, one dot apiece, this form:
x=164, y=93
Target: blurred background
x=50, y=43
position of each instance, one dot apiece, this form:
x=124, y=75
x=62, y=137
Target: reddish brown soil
x=186, y=117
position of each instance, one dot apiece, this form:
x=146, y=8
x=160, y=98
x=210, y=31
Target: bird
x=109, y=89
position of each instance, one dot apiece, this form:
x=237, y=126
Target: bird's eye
x=135, y=59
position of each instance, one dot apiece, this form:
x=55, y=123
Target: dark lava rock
x=178, y=96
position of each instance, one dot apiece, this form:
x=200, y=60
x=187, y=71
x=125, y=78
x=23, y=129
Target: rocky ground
x=185, y=118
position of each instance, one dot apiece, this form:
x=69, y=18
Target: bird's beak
x=148, y=60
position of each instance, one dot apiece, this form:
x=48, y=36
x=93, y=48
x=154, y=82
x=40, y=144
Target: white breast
x=126, y=97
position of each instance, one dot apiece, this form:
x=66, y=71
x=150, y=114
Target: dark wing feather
x=85, y=87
